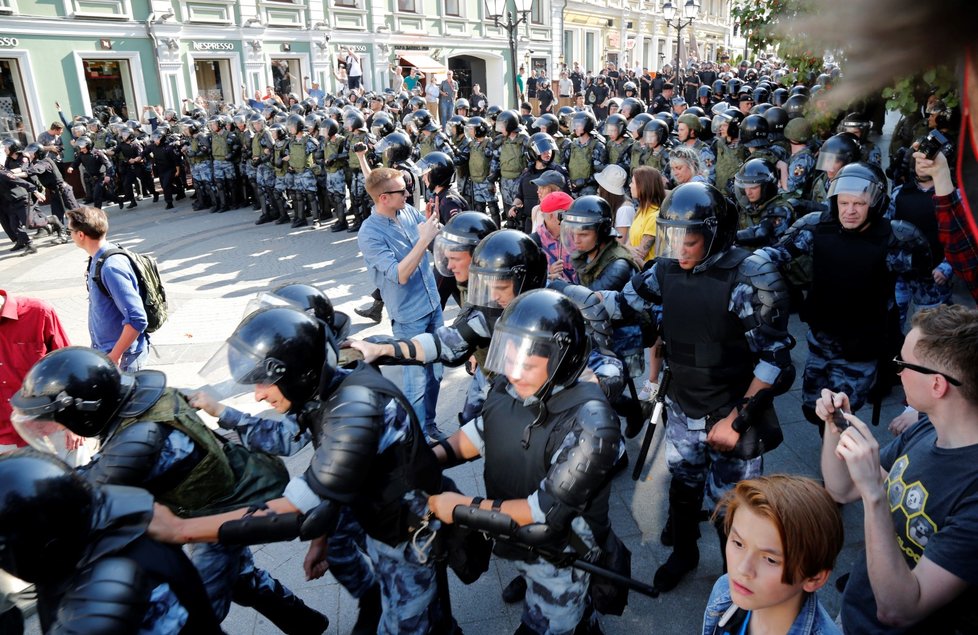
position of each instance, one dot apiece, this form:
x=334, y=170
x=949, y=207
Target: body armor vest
x=332, y=149
x=219, y=146
x=617, y=149
x=299, y=159
x=355, y=137
x=511, y=159
x=478, y=161
x=579, y=164
x=849, y=270
x=711, y=361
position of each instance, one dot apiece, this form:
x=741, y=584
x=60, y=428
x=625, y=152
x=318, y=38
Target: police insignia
x=799, y=170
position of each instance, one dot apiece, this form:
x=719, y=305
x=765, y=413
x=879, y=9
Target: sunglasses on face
x=923, y=370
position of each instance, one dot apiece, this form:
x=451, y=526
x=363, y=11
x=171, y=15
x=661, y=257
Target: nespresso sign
x=213, y=46
x=7, y=42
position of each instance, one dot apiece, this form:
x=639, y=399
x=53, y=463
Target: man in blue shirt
x=394, y=241
x=315, y=91
x=117, y=319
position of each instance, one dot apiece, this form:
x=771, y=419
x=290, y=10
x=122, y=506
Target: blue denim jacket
x=812, y=620
x=384, y=243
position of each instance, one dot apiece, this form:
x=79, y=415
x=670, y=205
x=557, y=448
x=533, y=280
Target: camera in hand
x=360, y=146
x=932, y=144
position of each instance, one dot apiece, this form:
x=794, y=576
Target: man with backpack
x=118, y=320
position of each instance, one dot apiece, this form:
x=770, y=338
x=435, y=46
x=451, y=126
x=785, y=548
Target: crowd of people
x=631, y=240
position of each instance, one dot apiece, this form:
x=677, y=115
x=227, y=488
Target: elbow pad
x=398, y=359
x=129, y=456
x=575, y=480
x=257, y=530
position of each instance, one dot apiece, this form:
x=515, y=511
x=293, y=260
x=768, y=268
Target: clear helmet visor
x=828, y=162
x=43, y=433
x=491, y=290
x=856, y=186
x=520, y=357
x=452, y=256
x=573, y=233
x=685, y=242
x=234, y=370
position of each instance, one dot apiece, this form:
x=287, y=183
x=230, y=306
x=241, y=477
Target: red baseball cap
x=556, y=202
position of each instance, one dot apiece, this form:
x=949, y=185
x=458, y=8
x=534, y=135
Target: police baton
x=656, y=418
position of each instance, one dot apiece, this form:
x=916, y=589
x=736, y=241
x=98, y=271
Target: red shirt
x=29, y=330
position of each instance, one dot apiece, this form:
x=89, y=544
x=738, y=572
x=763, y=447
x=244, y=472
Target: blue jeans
x=420, y=384
x=446, y=109
x=131, y=362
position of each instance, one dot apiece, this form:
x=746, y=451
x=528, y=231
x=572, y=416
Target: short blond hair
x=379, y=181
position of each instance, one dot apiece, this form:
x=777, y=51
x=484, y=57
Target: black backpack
x=151, y=288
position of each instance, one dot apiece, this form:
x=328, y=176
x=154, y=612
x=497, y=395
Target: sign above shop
x=213, y=46
x=356, y=48
x=105, y=44
x=6, y=42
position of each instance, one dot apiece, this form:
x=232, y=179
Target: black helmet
x=630, y=86
x=456, y=124
x=313, y=122
x=596, y=318
x=698, y=208
x=416, y=103
x=12, y=146
x=394, y=148
x=630, y=107
x=795, y=106
x=779, y=96
x=543, y=323
x=77, y=387
x=507, y=254
x=704, y=91
x=706, y=132
x=656, y=133
x=507, y=122
x=734, y=85
x=637, y=124
x=539, y=143
x=277, y=345
x=667, y=118
x=83, y=142
x=547, y=123
x=46, y=514
x=492, y=112
x=353, y=120
x=306, y=298
x=295, y=124
x=439, y=167
x=583, y=122
x=837, y=151
x=761, y=95
x=753, y=131
x=719, y=88
x=417, y=121
x=462, y=232
x=615, y=126
x=479, y=127
x=462, y=104
x=587, y=213
x=35, y=152
x=856, y=122
x=777, y=119
x=695, y=110
x=329, y=127
x=799, y=90
x=865, y=179
x=564, y=116
x=756, y=172
x=382, y=125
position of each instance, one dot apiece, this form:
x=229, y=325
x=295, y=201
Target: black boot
x=515, y=591
x=339, y=211
x=281, y=607
x=357, y=220
x=281, y=207
x=685, y=503
x=215, y=197
x=373, y=311
x=369, y=614
x=312, y=206
x=266, y=215
x=298, y=210
x=197, y=197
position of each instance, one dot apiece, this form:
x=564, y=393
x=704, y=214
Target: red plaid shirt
x=959, y=246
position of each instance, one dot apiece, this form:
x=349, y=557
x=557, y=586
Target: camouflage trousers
x=250, y=171
x=222, y=568
x=304, y=181
x=556, y=597
x=283, y=183
x=475, y=397
x=924, y=293
x=202, y=172
x=223, y=170
x=347, y=560
x=510, y=189
x=265, y=176
x=827, y=368
x=696, y=464
x=484, y=192
x=335, y=183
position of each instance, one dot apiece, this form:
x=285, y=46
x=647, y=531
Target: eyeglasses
x=402, y=192
x=923, y=370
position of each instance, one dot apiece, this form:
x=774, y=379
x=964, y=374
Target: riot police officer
x=477, y=155
x=304, y=157
x=724, y=323
x=508, y=156
x=764, y=214
x=585, y=155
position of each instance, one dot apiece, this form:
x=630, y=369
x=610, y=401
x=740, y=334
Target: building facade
x=130, y=54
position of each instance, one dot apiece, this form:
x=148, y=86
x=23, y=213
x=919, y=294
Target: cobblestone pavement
x=213, y=263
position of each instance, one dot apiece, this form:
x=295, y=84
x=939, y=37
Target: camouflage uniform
x=333, y=178
x=507, y=165
x=801, y=172
x=730, y=156
x=583, y=163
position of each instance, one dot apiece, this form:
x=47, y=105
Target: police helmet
x=329, y=127
x=753, y=131
x=506, y=254
x=631, y=106
x=798, y=130
x=655, y=133
x=353, y=120
x=395, y=148
x=777, y=119
x=307, y=299
x=439, y=167
x=507, y=122
x=540, y=143
x=583, y=122
x=862, y=179
x=479, y=127
x=615, y=126
x=547, y=123
x=637, y=124
x=382, y=125
x=462, y=232
x=704, y=91
x=462, y=104
x=692, y=123
x=756, y=173
x=779, y=96
x=856, y=122
x=837, y=151
x=589, y=213
x=564, y=115
x=295, y=124
x=695, y=208
x=35, y=152
x=46, y=517
x=542, y=323
x=492, y=112
x=456, y=124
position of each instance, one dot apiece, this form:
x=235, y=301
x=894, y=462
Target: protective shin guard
x=281, y=607
x=298, y=209
x=685, y=503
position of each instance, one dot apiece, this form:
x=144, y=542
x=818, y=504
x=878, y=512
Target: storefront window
x=286, y=77
x=214, y=82
x=110, y=88
x=14, y=118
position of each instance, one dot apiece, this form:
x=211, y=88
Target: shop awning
x=423, y=63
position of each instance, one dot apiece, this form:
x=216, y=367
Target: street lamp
x=690, y=10
x=497, y=9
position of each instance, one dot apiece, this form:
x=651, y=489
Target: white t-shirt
x=432, y=91
x=625, y=215
x=353, y=66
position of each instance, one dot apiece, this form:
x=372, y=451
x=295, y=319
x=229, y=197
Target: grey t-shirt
x=933, y=497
